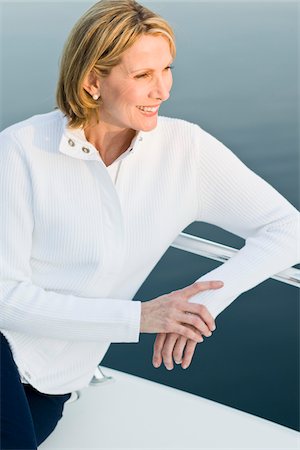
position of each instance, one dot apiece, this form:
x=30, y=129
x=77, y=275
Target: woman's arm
x=28, y=308
x=234, y=198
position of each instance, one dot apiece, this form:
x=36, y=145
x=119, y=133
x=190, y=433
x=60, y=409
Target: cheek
x=127, y=97
x=133, y=95
x=114, y=94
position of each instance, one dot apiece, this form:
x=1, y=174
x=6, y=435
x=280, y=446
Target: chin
x=148, y=126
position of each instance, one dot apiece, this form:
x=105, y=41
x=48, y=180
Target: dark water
x=236, y=76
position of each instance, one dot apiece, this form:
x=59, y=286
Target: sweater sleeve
x=28, y=308
x=234, y=198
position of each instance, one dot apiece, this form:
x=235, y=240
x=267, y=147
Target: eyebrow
x=148, y=69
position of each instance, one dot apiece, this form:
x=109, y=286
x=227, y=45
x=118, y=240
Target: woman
x=92, y=195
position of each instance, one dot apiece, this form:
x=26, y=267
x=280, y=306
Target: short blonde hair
x=97, y=42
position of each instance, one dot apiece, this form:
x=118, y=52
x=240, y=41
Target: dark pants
x=27, y=416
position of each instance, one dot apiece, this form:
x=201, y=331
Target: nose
x=161, y=88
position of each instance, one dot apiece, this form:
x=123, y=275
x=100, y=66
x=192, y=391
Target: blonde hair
x=97, y=42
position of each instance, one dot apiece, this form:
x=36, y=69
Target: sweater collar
x=74, y=143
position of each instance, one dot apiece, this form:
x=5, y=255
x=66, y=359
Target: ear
x=91, y=83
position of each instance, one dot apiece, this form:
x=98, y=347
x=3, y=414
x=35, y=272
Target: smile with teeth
x=148, y=108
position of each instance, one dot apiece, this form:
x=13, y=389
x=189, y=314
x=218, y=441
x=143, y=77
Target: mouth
x=149, y=110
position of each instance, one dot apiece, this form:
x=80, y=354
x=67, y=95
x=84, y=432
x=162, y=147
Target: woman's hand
x=172, y=313
x=172, y=345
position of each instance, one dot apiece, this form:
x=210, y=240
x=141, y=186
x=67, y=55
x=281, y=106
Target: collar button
x=71, y=143
x=85, y=150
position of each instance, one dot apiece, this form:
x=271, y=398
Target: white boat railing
x=220, y=252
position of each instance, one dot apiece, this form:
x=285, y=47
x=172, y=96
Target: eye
x=142, y=75
x=169, y=67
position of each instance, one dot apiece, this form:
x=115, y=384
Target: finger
x=188, y=354
x=178, y=352
x=208, y=318
x=203, y=312
x=200, y=286
x=179, y=349
x=188, y=332
x=167, y=351
x=158, y=346
x=196, y=321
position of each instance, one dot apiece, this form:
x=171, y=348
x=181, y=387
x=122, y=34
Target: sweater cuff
x=135, y=322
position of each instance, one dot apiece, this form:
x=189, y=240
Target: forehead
x=147, y=49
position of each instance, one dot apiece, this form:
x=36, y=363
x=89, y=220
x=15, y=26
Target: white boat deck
x=134, y=413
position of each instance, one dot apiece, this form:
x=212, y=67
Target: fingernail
x=213, y=328
x=169, y=367
x=184, y=366
x=156, y=365
x=178, y=362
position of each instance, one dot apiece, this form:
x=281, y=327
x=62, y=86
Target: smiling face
x=133, y=91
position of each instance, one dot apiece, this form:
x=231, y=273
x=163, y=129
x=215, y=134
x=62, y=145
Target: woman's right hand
x=172, y=313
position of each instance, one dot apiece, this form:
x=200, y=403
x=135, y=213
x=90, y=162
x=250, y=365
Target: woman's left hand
x=172, y=345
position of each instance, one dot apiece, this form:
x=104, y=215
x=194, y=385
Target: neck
x=109, y=141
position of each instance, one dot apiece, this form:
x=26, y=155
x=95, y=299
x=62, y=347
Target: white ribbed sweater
x=79, y=238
